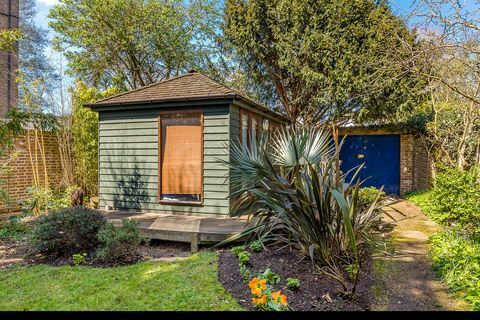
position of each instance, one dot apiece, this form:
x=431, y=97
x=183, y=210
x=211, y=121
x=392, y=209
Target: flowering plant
x=264, y=296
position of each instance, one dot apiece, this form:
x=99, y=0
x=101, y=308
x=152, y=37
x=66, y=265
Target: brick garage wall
x=406, y=163
x=414, y=164
x=421, y=164
x=20, y=175
x=414, y=161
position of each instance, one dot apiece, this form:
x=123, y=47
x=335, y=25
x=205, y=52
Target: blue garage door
x=381, y=155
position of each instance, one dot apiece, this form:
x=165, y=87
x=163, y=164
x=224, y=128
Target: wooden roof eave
x=147, y=104
x=242, y=102
x=196, y=101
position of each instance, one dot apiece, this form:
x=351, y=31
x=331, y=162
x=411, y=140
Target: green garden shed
x=161, y=146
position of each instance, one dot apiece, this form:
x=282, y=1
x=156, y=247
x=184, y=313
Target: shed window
x=244, y=126
x=254, y=129
x=181, y=157
x=265, y=125
x=251, y=127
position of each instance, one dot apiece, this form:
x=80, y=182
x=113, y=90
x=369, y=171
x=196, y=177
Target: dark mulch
x=12, y=252
x=289, y=264
x=17, y=252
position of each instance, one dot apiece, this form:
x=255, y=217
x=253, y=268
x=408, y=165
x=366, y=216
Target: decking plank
x=180, y=228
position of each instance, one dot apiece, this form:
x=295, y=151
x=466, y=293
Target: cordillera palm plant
x=293, y=191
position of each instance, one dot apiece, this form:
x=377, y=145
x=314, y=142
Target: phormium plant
x=293, y=191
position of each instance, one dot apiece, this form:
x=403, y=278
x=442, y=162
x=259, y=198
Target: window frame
x=159, y=176
x=259, y=122
x=249, y=125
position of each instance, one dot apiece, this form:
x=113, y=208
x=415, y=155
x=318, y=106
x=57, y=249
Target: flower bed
x=315, y=292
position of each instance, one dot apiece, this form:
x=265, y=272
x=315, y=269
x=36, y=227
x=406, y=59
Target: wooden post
x=194, y=241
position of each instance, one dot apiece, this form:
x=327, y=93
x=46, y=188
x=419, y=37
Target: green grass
x=187, y=284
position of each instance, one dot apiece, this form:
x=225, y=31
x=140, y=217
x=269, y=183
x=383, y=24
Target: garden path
x=404, y=278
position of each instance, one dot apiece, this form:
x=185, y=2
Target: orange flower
x=260, y=301
x=257, y=286
x=279, y=298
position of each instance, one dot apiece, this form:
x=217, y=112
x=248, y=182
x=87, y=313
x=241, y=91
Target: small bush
x=237, y=250
x=293, y=283
x=352, y=270
x=67, y=231
x=118, y=245
x=256, y=246
x=368, y=194
x=456, y=257
x=456, y=197
x=42, y=200
x=423, y=200
x=79, y=258
x=270, y=276
x=245, y=273
x=243, y=258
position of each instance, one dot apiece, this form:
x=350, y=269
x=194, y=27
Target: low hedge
x=67, y=231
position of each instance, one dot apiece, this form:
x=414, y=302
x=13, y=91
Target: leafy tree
x=130, y=43
x=447, y=59
x=8, y=38
x=35, y=68
x=85, y=135
x=325, y=58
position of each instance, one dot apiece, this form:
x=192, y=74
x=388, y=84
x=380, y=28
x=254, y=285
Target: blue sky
x=42, y=11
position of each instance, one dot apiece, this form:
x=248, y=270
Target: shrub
x=456, y=257
x=270, y=276
x=243, y=258
x=456, y=196
x=118, y=244
x=293, y=283
x=67, y=231
x=245, y=273
x=41, y=199
x=368, y=194
x=79, y=258
x=237, y=250
x=423, y=200
x=352, y=270
x=256, y=246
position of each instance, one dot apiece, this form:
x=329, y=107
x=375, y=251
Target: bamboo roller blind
x=181, y=155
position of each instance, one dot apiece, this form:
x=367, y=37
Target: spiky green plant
x=293, y=191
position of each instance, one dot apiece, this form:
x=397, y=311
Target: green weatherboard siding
x=128, y=159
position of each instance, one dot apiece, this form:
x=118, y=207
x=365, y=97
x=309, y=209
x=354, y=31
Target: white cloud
x=48, y=2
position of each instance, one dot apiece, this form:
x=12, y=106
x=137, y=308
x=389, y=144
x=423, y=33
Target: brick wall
x=406, y=163
x=21, y=172
x=421, y=163
x=9, y=12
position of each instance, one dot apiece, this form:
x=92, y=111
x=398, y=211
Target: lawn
x=187, y=284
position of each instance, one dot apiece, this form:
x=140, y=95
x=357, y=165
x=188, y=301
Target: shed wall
x=235, y=124
x=128, y=161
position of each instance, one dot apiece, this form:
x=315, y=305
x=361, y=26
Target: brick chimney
x=9, y=16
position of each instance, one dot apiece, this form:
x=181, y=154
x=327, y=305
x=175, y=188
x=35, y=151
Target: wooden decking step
x=182, y=228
